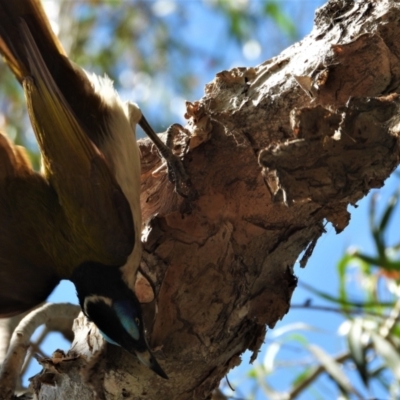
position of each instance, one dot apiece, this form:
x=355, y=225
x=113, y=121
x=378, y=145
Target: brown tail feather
x=11, y=45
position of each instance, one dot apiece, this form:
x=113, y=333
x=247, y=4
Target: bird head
x=112, y=306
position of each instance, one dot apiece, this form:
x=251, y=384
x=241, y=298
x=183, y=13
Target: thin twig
x=314, y=375
x=19, y=344
x=356, y=311
x=35, y=348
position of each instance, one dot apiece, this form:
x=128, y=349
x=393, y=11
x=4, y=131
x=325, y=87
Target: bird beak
x=149, y=360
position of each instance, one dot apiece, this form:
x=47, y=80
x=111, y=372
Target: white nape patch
x=135, y=114
x=96, y=299
x=104, y=87
x=122, y=152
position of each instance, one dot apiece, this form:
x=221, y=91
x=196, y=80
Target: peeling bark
x=274, y=151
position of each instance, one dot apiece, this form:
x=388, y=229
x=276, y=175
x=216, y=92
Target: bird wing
x=76, y=211
x=95, y=205
x=48, y=228
x=50, y=224
x=70, y=121
x=28, y=209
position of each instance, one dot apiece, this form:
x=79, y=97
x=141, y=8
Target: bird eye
x=137, y=320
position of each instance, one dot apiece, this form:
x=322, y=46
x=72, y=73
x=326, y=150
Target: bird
x=79, y=218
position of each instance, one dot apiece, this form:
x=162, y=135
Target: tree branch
x=20, y=340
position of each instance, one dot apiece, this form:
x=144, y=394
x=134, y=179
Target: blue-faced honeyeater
x=80, y=218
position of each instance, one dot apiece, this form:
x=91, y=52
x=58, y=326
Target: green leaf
x=379, y=243
x=378, y=229
x=342, y=271
x=377, y=371
x=333, y=368
x=274, y=10
x=252, y=373
x=302, y=376
x=357, y=349
x=296, y=326
x=384, y=263
x=387, y=215
x=270, y=355
x=388, y=353
x=372, y=211
x=300, y=339
x=337, y=300
x=395, y=333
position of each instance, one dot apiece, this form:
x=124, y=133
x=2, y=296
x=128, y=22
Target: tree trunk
x=273, y=152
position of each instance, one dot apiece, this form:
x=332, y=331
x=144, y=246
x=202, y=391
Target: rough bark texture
x=273, y=152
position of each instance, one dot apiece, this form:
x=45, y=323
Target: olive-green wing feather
x=94, y=204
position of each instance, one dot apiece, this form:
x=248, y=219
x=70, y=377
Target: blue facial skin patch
x=127, y=315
